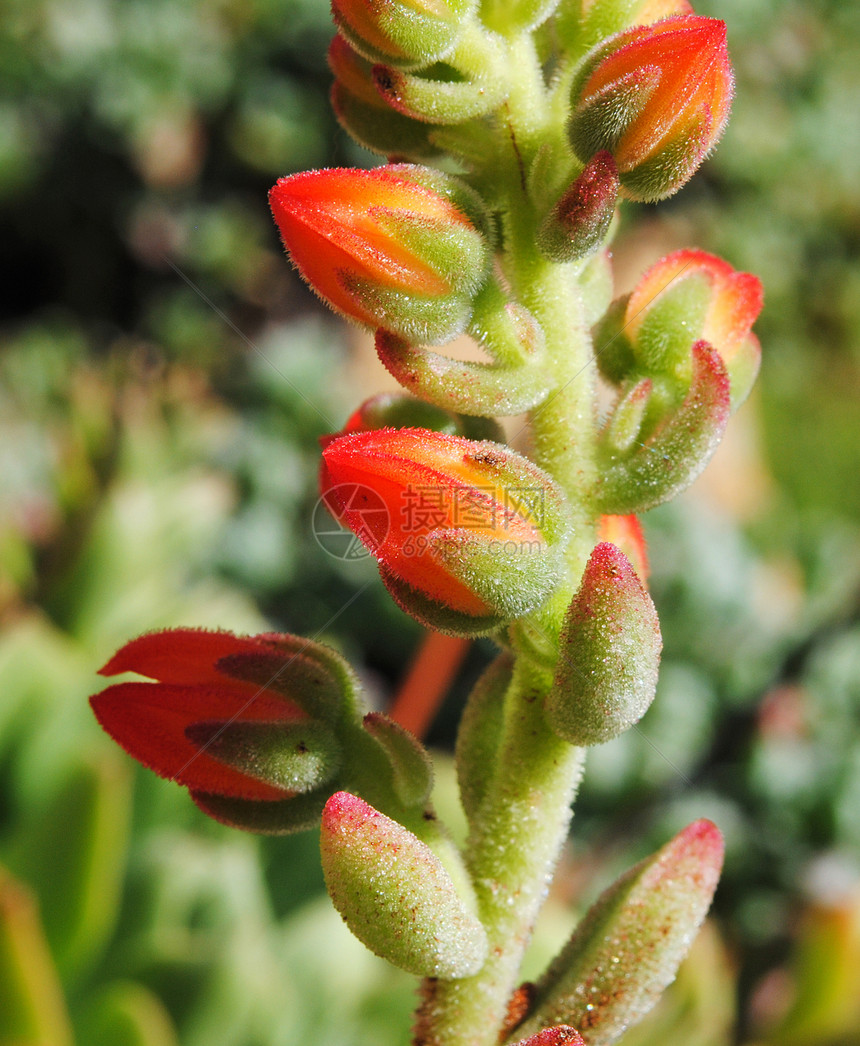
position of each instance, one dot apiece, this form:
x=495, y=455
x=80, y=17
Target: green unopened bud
x=629, y=945
x=298, y=757
x=609, y=653
x=480, y=732
x=394, y=894
x=399, y=410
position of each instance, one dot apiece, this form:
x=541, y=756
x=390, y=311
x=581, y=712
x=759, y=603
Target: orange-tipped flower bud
x=404, y=31
x=468, y=535
x=657, y=97
x=688, y=296
x=399, y=247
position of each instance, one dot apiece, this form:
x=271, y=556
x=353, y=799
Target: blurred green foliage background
x=164, y=378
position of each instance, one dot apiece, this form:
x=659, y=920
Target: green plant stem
x=512, y=851
x=517, y=834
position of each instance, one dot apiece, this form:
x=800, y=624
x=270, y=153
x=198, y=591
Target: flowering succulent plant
x=507, y=242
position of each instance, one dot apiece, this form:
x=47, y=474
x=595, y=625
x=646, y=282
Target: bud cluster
x=541, y=117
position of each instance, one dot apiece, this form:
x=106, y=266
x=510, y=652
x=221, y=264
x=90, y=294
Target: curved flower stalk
x=542, y=117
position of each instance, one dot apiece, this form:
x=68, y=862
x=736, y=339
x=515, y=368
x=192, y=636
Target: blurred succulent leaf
x=125, y=1013
x=75, y=856
x=32, y=1009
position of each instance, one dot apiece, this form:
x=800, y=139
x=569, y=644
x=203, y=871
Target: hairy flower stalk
x=541, y=551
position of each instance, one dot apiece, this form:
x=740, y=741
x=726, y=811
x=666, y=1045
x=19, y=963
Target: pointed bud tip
x=560, y=1035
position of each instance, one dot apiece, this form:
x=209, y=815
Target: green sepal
x=613, y=349
x=480, y=732
x=625, y=423
x=507, y=330
x=596, y=287
x=415, y=34
x=277, y=817
x=672, y=322
x=511, y=16
x=482, y=389
x=609, y=653
x=663, y=173
x=32, y=1010
x=437, y=615
x=579, y=31
x=510, y=580
x=743, y=367
x=676, y=452
x=431, y=320
x=399, y=410
x=602, y=121
x=395, y=895
x=309, y=674
x=411, y=766
x=458, y=253
x=298, y=757
x=380, y=129
x=629, y=945
x=471, y=83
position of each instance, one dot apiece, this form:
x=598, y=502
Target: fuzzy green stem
x=512, y=851
x=520, y=827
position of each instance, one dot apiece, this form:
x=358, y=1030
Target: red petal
x=179, y=655
x=149, y=719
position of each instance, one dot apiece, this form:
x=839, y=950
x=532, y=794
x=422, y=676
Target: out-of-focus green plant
x=135, y=133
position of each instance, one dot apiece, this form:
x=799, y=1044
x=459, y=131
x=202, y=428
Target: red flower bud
x=397, y=247
x=691, y=296
x=657, y=97
x=472, y=533
x=201, y=691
